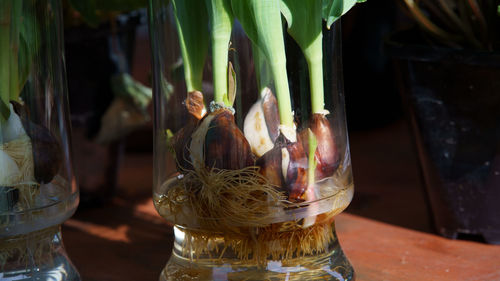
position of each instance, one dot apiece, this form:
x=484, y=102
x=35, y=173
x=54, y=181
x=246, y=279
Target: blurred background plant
x=447, y=71
x=458, y=23
x=107, y=103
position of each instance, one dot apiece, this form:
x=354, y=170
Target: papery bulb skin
x=271, y=114
x=195, y=105
x=261, y=125
x=326, y=154
x=285, y=166
x=225, y=146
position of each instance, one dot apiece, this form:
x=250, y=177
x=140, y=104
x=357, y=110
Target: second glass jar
x=251, y=151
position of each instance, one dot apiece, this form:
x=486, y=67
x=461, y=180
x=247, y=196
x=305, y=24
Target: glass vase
x=38, y=191
x=251, y=150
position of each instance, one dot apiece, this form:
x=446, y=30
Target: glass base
x=220, y=261
x=38, y=255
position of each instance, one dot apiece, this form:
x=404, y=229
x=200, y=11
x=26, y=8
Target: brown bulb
x=225, y=146
x=285, y=166
x=326, y=154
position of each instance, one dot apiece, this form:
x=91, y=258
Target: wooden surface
x=129, y=241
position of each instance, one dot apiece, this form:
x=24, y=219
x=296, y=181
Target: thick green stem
x=314, y=57
x=221, y=22
x=282, y=92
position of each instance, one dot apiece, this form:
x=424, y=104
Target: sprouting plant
x=261, y=20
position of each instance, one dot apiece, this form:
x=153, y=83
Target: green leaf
x=334, y=9
x=304, y=20
x=261, y=20
x=192, y=26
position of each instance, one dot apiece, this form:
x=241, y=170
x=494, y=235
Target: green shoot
x=192, y=23
x=311, y=167
x=304, y=20
x=261, y=20
x=221, y=23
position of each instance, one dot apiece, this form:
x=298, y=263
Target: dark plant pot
x=90, y=65
x=453, y=102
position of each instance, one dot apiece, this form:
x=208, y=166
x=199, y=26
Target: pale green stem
x=221, y=22
x=220, y=60
x=314, y=57
x=278, y=68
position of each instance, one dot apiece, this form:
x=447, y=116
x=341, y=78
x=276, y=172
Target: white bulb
x=9, y=172
x=13, y=128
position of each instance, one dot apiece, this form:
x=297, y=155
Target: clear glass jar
x=38, y=191
x=251, y=150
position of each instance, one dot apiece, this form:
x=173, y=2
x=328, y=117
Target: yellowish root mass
x=232, y=211
x=223, y=200
x=260, y=244
x=21, y=250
